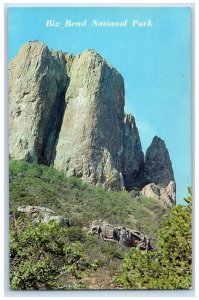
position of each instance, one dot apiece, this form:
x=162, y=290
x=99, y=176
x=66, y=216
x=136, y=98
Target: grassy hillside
x=32, y=184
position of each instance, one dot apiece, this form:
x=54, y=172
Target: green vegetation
x=32, y=184
x=170, y=266
x=43, y=258
x=49, y=256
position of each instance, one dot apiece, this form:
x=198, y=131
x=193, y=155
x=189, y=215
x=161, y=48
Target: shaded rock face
x=90, y=142
x=166, y=196
x=37, y=85
x=158, y=166
x=133, y=157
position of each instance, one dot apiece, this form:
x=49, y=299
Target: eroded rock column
x=90, y=142
x=37, y=85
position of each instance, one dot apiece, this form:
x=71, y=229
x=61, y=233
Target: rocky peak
x=130, y=120
x=95, y=103
x=158, y=166
x=133, y=157
x=68, y=111
x=37, y=85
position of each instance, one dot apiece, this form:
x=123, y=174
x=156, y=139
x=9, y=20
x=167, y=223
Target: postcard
x=100, y=148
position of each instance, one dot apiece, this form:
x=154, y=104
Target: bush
x=32, y=184
x=67, y=255
x=76, y=234
x=170, y=266
x=41, y=256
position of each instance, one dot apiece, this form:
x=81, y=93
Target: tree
x=170, y=266
x=43, y=257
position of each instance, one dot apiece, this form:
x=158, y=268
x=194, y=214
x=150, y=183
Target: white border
x=3, y=155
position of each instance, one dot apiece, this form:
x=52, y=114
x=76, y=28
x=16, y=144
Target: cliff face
x=90, y=141
x=69, y=112
x=37, y=85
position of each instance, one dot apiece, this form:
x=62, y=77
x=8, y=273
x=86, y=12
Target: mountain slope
x=32, y=184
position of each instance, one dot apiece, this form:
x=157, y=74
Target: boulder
x=40, y=214
x=166, y=196
x=122, y=235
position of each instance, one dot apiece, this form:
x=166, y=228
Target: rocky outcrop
x=122, y=235
x=166, y=196
x=90, y=142
x=158, y=166
x=68, y=111
x=40, y=214
x=158, y=174
x=133, y=157
x=37, y=85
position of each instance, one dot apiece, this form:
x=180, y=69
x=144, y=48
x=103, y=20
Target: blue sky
x=154, y=62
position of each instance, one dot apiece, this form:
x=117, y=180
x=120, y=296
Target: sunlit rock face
x=90, y=142
x=37, y=85
x=165, y=195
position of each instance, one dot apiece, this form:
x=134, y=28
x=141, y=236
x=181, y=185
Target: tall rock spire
x=90, y=142
x=37, y=85
x=133, y=157
x=159, y=177
x=158, y=166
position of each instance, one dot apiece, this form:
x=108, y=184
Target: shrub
x=65, y=255
x=170, y=266
x=41, y=256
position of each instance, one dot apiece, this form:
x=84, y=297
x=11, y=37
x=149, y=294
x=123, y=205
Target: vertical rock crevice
x=47, y=153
